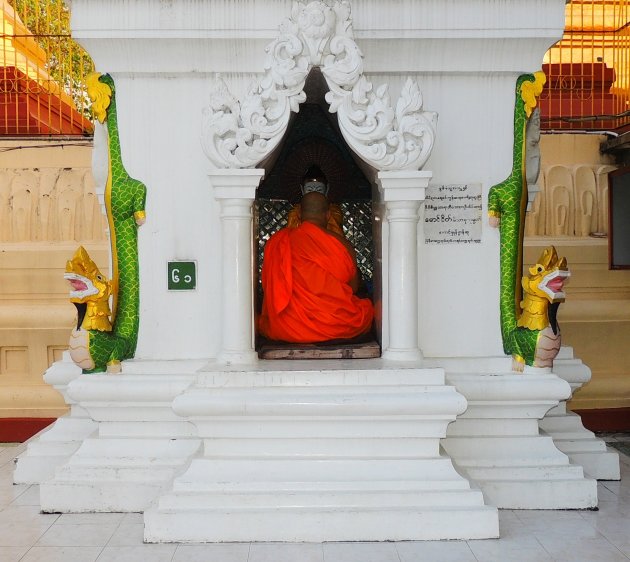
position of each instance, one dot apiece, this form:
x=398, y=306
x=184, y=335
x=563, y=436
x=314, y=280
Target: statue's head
x=314, y=180
x=548, y=276
x=86, y=280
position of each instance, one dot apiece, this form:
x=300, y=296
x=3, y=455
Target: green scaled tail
x=125, y=202
x=507, y=201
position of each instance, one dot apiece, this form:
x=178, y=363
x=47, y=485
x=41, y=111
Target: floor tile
x=12, y=553
x=614, y=486
x=10, y=495
x=444, y=551
x=519, y=549
x=360, y=552
x=556, y=524
x=582, y=550
x=128, y=535
x=77, y=535
x=26, y=514
x=233, y=552
x=29, y=497
x=285, y=552
x=612, y=526
x=22, y=534
x=145, y=553
x=62, y=554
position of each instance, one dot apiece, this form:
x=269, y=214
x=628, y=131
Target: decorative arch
x=240, y=134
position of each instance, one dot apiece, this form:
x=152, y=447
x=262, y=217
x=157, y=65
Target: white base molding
x=334, y=451
x=54, y=446
x=567, y=431
x=140, y=445
x=496, y=442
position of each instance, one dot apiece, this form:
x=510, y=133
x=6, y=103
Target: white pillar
x=235, y=189
x=403, y=193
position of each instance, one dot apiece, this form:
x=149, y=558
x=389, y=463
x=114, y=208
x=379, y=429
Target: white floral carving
x=318, y=33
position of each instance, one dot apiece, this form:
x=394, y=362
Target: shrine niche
x=313, y=137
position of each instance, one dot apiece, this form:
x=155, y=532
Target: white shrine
x=214, y=444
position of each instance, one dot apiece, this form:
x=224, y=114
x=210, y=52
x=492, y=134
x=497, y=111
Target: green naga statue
x=103, y=337
x=528, y=320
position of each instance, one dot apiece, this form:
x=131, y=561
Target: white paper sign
x=452, y=214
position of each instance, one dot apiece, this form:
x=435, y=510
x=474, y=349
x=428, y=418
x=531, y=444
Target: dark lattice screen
x=271, y=216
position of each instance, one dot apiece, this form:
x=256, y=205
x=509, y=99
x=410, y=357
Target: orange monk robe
x=307, y=297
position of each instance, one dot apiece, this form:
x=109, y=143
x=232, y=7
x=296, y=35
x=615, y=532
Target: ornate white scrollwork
x=318, y=33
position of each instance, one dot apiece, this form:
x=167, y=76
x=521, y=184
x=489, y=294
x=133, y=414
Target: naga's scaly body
x=507, y=203
x=125, y=203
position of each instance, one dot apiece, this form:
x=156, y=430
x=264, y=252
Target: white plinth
x=345, y=451
x=140, y=445
x=567, y=431
x=54, y=446
x=496, y=442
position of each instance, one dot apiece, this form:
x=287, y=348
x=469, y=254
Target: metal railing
x=588, y=71
x=42, y=71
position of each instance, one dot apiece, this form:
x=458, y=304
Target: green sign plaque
x=182, y=275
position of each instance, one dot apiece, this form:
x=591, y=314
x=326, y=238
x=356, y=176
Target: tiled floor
x=575, y=536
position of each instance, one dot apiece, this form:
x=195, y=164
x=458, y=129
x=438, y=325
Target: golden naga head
x=86, y=280
x=100, y=94
x=530, y=91
x=548, y=276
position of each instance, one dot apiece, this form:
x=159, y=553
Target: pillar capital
x=403, y=185
x=235, y=183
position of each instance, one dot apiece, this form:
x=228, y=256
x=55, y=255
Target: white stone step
x=68, y=428
x=565, y=423
x=570, y=446
x=534, y=472
x=254, y=469
x=147, y=429
x=326, y=427
x=599, y=465
x=576, y=493
x=81, y=476
x=99, y=496
x=321, y=373
x=506, y=451
x=322, y=524
x=124, y=450
x=364, y=486
x=38, y=468
x=52, y=448
x=319, y=401
x=310, y=447
x=315, y=499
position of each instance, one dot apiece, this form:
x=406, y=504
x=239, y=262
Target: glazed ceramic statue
x=507, y=202
x=98, y=344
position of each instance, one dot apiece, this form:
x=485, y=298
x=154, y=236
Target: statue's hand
x=494, y=222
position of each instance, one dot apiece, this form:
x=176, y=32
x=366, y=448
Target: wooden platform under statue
x=358, y=348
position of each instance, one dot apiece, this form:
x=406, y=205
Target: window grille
x=42, y=71
x=588, y=71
